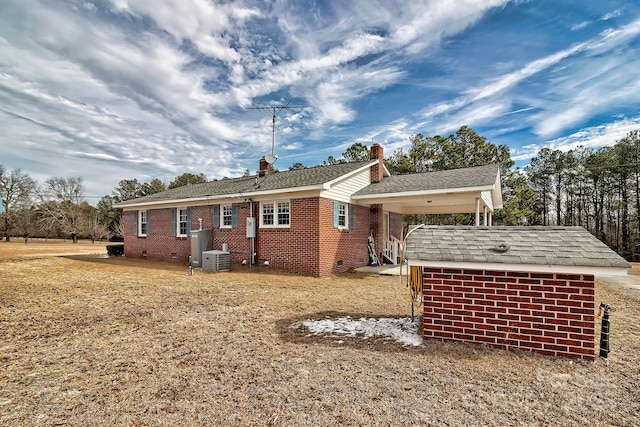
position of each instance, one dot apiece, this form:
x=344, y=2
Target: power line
x=275, y=110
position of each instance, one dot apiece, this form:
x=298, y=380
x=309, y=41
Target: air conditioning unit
x=216, y=261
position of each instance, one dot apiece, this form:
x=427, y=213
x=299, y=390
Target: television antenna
x=275, y=111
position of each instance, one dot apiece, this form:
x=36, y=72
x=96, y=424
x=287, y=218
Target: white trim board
x=535, y=268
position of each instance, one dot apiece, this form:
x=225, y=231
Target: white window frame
x=275, y=206
x=344, y=215
x=143, y=218
x=228, y=214
x=179, y=215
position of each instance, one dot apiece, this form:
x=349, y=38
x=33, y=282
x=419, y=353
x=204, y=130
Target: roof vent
x=501, y=248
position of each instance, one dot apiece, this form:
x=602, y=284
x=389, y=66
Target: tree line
x=57, y=208
x=598, y=189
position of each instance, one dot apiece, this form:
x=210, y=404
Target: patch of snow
x=402, y=330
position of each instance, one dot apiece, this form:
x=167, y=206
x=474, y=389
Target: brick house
x=314, y=221
x=512, y=287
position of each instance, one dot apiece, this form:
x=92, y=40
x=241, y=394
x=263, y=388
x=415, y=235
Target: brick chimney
x=377, y=171
x=264, y=167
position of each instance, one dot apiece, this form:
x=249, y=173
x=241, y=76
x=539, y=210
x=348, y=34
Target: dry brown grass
x=90, y=341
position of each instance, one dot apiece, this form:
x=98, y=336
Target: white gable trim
x=327, y=185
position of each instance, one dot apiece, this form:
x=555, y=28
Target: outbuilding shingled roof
x=568, y=246
x=251, y=184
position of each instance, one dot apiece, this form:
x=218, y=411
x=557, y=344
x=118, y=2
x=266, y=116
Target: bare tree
x=93, y=228
x=63, y=205
x=26, y=223
x=119, y=228
x=16, y=190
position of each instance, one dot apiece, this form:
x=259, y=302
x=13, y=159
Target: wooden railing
x=392, y=249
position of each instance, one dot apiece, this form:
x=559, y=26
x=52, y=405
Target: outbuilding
x=512, y=287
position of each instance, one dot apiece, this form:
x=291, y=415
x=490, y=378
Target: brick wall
x=236, y=237
x=342, y=249
x=295, y=248
x=376, y=227
x=158, y=244
x=310, y=246
x=549, y=313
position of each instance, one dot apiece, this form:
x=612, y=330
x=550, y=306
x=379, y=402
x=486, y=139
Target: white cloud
x=156, y=88
x=611, y=15
x=580, y=26
x=204, y=23
x=591, y=137
x=602, y=78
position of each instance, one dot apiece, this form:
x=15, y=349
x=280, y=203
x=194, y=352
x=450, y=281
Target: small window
x=227, y=216
x=275, y=214
x=342, y=215
x=183, y=222
x=142, y=223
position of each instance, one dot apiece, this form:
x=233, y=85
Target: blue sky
x=122, y=89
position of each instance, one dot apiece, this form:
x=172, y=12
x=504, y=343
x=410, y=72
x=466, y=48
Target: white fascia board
x=423, y=192
x=497, y=193
x=487, y=198
x=327, y=185
x=535, y=268
x=160, y=203
x=199, y=200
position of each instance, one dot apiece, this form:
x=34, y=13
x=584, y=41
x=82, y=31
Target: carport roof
x=560, y=246
x=472, y=177
x=436, y=192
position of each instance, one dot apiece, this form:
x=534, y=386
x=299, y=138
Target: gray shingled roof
x=246, y=185
x=572, y=246
x=478, y=176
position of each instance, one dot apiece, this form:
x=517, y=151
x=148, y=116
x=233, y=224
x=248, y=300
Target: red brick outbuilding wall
x=549, y=313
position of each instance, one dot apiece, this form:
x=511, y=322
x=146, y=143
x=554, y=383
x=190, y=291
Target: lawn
x=87, y=340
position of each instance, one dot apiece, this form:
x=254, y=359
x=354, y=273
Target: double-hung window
x=227, y=216
x=275, y=214
x=142, y=223
x=342, y=215
x=183, y=222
